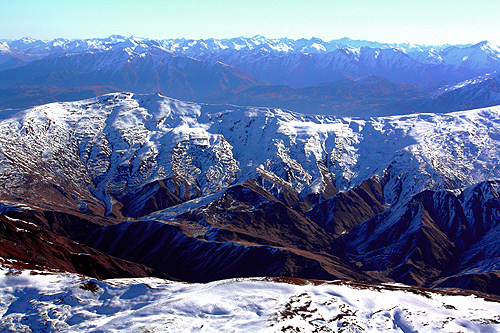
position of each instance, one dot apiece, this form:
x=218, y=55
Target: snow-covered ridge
x=468, y=83
x=196, y=48
x=314, y=45
x=118, y=143
x=297, y=63
x=40, y=301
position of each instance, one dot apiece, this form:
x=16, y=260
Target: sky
x=430, y=22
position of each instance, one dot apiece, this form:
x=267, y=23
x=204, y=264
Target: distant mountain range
x=370, y=96
x=251, y=71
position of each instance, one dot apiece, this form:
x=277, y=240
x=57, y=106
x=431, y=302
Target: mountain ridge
x=253, y=177
x=220, y=71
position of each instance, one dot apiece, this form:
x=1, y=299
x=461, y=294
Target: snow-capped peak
x=282, y=45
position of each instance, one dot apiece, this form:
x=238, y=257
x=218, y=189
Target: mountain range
x=221, y=160
x=207, y=192
x=256, y=71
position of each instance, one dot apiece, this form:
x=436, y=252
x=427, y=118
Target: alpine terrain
x=249, y=184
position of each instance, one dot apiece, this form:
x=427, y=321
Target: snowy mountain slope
x=481, y=56
x=117, y=144
x=198, y=69
x=481, y=91
x=191, y=46
x=435, y=232
x=70, y=303
x=230, y=181
x=299, y=69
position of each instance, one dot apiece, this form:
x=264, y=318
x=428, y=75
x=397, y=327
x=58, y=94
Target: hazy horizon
x=234, y=37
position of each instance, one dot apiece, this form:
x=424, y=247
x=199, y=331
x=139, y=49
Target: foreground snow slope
x=44, y=302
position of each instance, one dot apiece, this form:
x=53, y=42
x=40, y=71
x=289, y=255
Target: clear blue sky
x=417, y=21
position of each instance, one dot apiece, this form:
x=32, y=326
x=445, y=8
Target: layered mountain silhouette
x=339, y=77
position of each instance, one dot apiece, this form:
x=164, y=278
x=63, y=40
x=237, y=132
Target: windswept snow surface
x=115, y=144
x=33, y=301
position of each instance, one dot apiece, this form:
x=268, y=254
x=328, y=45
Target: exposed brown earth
x=25, y=245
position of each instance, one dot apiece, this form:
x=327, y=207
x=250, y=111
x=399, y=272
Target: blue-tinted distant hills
x=222, y=70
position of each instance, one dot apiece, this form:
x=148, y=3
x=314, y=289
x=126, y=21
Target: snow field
x=45, y=302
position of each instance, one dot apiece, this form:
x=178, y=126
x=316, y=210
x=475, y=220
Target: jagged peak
x=483, y=43
x=230, y=42
x=487, y=46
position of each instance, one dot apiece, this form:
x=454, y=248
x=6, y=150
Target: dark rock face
x=165, y=248
x=345, y=210
x=435, y=234
x=434, y=240
x=3, y=228
x=67, y=224
x=245, y=232
x=150, y=198
x=485, y=282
